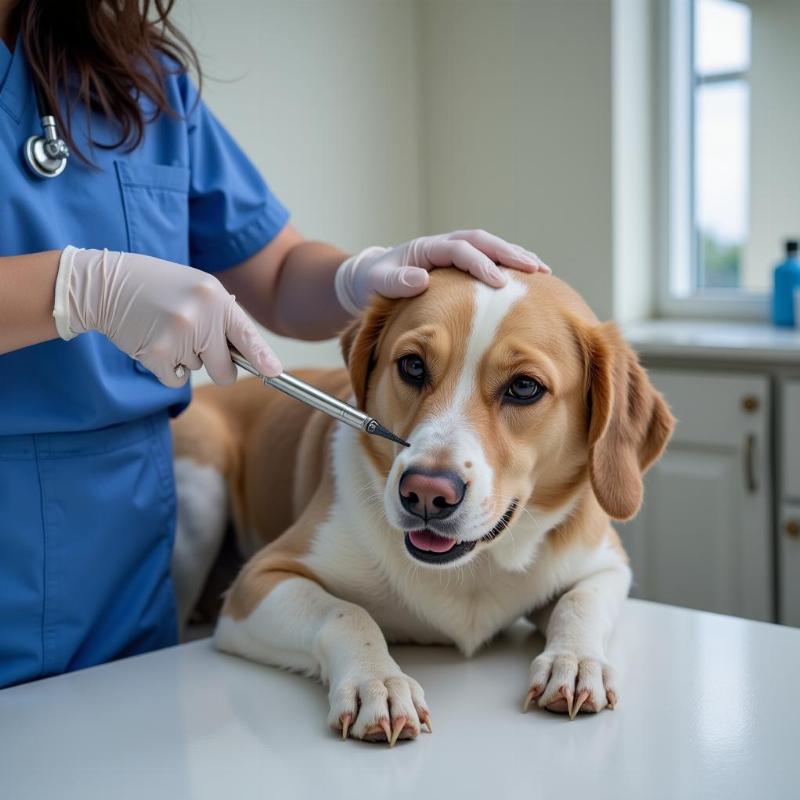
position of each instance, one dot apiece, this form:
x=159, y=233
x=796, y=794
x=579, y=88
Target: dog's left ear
x=359, y=342
x=630, y=422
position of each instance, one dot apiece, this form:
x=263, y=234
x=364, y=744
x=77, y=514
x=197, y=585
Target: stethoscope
x=46, y=155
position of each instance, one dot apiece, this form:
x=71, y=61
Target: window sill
x=721, y=341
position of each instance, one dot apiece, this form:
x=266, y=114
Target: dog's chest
x=412, y=604
x=464, y=610
x=469, y=606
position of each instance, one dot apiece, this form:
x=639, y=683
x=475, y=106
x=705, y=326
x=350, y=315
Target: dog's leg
x=202, y=499
x=286, y=619
x=573, y=673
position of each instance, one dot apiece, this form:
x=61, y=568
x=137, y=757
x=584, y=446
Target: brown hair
x=107, y=55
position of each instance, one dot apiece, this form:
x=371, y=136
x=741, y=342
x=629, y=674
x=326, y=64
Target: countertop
x=708, y=708
x=721, y=341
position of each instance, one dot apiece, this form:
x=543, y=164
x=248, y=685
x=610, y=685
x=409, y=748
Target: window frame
x=676, y=204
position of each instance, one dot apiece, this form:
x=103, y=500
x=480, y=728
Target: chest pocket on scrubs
x=155, y=199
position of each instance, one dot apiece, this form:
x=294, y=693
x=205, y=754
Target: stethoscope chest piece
x=46, y=155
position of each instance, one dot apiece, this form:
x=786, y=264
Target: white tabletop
x=709, y=708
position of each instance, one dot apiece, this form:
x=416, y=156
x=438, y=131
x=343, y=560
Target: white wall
x=323, y=95
x=518, y=128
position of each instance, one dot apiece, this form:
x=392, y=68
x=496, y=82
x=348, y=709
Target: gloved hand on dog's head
x=402, y=271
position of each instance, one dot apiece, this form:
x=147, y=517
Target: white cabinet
x=703, y=537
x=790, y=440
x=789, y=515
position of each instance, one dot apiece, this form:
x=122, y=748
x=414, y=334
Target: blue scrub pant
x=86, y=530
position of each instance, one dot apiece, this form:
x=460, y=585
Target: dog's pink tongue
x=427, y=540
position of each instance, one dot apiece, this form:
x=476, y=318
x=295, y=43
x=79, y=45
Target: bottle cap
x=791, y=247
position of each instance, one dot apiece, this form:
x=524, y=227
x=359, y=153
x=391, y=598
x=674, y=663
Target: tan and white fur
x=326, y=511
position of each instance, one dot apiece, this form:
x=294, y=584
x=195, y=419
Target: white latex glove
x=402, y=271
x=162, y=314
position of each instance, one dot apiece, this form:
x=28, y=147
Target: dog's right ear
x=360, y=342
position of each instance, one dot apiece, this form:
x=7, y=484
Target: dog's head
x=511, y=399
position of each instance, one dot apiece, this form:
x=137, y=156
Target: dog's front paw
x=383, y=706
x=566, y=682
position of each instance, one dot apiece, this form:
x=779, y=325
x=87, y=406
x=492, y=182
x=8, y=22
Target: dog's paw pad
x=379, y=732
x=562, y=702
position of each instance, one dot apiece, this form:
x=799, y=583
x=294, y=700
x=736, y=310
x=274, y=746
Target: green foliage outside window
x=720, y=262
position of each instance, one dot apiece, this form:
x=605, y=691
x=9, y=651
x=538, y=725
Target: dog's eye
x=524, y=390
x=412, y=370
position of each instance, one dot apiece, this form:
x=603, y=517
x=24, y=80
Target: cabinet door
x=790, y=440
x=703, y=536
x=789, y=560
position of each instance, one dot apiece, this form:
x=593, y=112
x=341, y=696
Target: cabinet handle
x=750, y=403
x=792, y=528
x=749, y=463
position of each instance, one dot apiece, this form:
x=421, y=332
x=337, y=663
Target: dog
x=530, y=426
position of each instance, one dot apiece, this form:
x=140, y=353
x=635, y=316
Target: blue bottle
x=786, y=280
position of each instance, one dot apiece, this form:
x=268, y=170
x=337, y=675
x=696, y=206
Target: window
x=708, y=156
x=721, y=126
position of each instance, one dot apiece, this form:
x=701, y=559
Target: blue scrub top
x=187, y=194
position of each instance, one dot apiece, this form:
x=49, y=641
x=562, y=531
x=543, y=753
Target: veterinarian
x=127, y=180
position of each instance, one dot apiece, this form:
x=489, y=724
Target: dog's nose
x=431, y=494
